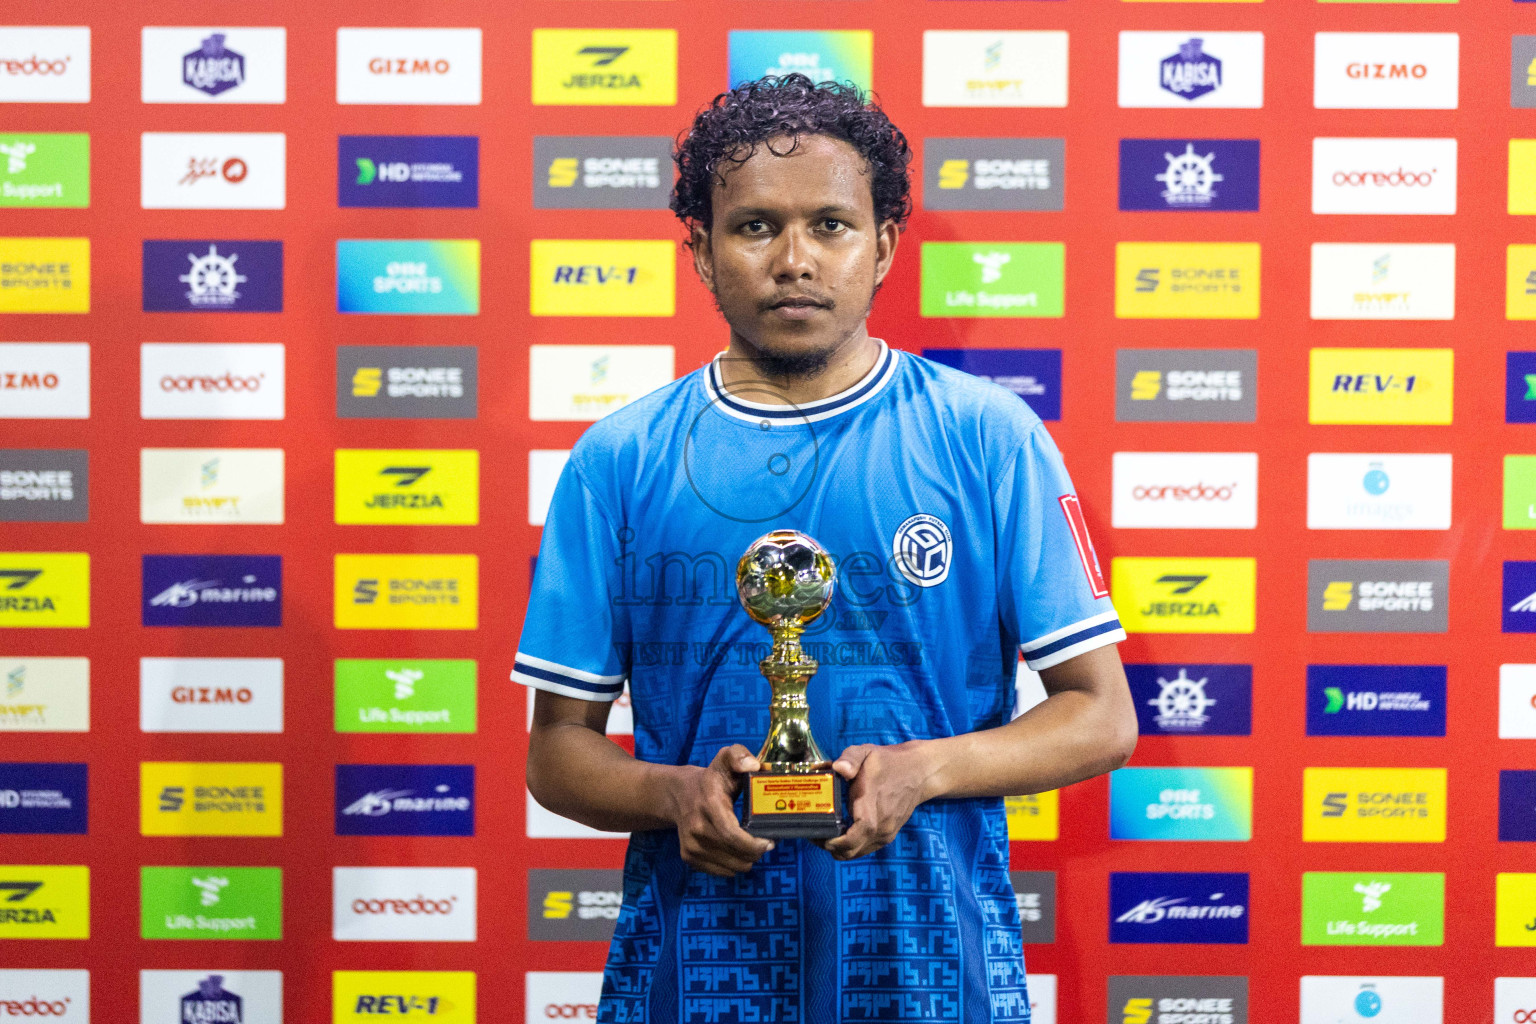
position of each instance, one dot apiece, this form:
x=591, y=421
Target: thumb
x=733, y=760
x=851, y=760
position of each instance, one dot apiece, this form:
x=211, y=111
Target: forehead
x=818, y=172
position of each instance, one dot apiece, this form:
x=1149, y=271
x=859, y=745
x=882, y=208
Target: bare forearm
x=584, y=776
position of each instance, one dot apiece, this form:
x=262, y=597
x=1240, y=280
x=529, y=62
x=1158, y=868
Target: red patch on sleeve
x=1073, y=510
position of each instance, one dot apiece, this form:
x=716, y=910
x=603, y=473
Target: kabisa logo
x=994, y=69
x=211, y=903
x=605, y=67
x=409, y=276
x=407, y=382
x=1181, y=804
x=409, y=904
x=1374, y=805
x=44, y=485
x=1192, y=700
x=45, y=169
x=410, y=485
x=1381, y=385
x=582, y=277
x=210, y=798
x=212, y=276
x=1183, y=69
x=1519, y=598
x=993, y=174
x=406, y=592
x=1187, y=280
x=45, y=901
x=45, y=275
x=1377, y=909
x=384, y=695
x=1376, y=700
x=922, y=549
x=408, y=170
x=1184, y=595
x=445, y=997
x=1178, y=907
x=1377, y=596
x=601, y=172
x=1186, y=385
x=820, y=56
x=408, y=66
x=1034, y=374
x=1383, y=176
x=43, y=798
x=1189, y=174
x=211, y=1002
x=1517, y=806
x=573, y=904
x=1010, y=279
x=212, y=590
x=1035, y=894
x=1190, y=73
x=45, y=589
x=213, y=68
x=405, y=800
x=1173, y=999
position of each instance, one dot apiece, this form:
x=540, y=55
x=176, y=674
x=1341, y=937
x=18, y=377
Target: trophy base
x=795, y=805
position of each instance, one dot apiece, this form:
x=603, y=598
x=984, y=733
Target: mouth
x=798, y=307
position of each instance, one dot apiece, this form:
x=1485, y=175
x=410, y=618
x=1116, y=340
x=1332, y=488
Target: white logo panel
x=1416, y=176
x=587, y=382
x=544, y=468
x=403, y=905
x=546, y=824
x=994, y=69
x=195, y=381
x=408, y=65
x=211, y=694
x=45, y=64
x=1192, y=69
x=45, y=694
x=1185, y=490
x=45, y=380
x=1385, y=70
x=561, y=995
x=214, y=65
x=213, y=170
x=1329, y=999
x=1383, y=281
x=1517, y=702
x=60, y=997
x=211, y=485
x=1378, y=492
x=1514, y=1000
x=1042, y=998
x=163, y=994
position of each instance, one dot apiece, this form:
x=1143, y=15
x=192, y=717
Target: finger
x=851, y=760
x=699, y=852
x=853, y=843
x=733, y=761
x=721, y=831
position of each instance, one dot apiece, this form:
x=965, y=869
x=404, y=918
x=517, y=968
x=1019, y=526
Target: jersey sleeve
x=575, y=633
x=1052, y=596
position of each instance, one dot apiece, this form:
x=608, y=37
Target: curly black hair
x=735, y=122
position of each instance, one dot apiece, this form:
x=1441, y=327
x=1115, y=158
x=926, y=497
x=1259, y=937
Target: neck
x=743, y=364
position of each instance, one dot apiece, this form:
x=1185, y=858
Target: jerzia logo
x=1184, y=595
x=407, y=486
x=605, y=67
x=1178, y=907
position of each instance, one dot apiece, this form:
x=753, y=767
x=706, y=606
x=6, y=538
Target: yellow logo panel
x=1187, y=280
x=210, y=798
x=45, y=901
x=606, y=67
x=1381, y=385
x=446, y=997
x=45, y=588
x=1037, y=816
x=408, y=485
x=1184, y=595
x=407, y=592
x=1520, y=283
x=1373, y=805
x=45, y=275
x=1522, y=176
x=593, y=277
x=1516, y=910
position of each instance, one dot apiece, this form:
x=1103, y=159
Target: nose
x=793, y=258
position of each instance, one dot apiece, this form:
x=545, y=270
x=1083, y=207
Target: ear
x=885, y=249
x=703, y=255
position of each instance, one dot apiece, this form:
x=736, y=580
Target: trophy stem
x=789, y=747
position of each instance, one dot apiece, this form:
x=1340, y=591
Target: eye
x=755, y=227
x=832, y=224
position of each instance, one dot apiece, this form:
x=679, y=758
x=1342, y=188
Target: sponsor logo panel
x=49, y=380
x=218, y=275
x=994, y=69
x=1522, y=176
x=1517, y=807
x=544, y=468
x=1175, y=999
x=605, y=67
x=1186, y=385
x=407, y=592
x=562, y=995
x=405, y=800
x=408, y=276
x=1192, y=700
x=214, y=65
x=1340, y=908
x=194, y=381
x=573, y=904
x=45, y=275
x=444, y=996
x=45, y=901
x=1184, y=595
x=1522, y=72
x=993, y=174
x=1185, y=490
x=1035, y=893
x=45, y=694
x=434, y=66
x=1378, y=492
x=1328, y=999
x=213, y=170
x=45, y=169
x=591, y=277
x=417, y=382
x=1187, y=280
x=1520, y=282
x=45, y=64
x=64, y=997
x=1385, y=70
x=1178, y=906
x=1192, y=804
x=1192, y=69
x=1189, y=175
x=211, y=485
x=210, y=903
x=1034, y=818
x=408, y=171
x=403, y=904
x=1355, y=281
x=1373, y=805
x=1396, y=176
x=1012, y=279
x=1381, y=385
x=212, y=590
x=845, y=56
x=1034, y=374
x=407, y=485
x=43, y=798
x=602, y=172
x=1366, y=595
x=586, y=382
x=45, y=589
x=210, y=798
x=193, y=997
x=1376, y=700
x=1519, y=598
x=44, y=485
x=545, y=824
x=1514, y=1000
x=405, y=695
x=211, y=695
x=1517, y=702
x=1519, y=387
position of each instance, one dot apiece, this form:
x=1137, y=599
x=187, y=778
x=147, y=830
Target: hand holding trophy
x=785, y=581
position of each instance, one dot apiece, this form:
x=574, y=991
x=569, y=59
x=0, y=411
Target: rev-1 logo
x=584, y=275
x=1357, y=382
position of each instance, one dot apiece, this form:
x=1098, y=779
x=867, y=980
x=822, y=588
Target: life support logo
x=923, y=549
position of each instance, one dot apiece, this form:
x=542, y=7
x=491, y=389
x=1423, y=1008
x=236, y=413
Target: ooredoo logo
x=415, y=905
x=54, y=995
x=1186, y=490
x=45, y=64
x=224, y=383
x=183, y=381
x=1384, y=176
x=562, y=995
x=404, y=904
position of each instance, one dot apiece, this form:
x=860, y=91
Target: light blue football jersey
x=958, y=541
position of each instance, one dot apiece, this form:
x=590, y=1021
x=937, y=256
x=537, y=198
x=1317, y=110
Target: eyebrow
x=763, y=211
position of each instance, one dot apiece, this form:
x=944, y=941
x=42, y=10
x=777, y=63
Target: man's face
x=795, y=253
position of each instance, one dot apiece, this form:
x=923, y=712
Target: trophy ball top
x=785, y=579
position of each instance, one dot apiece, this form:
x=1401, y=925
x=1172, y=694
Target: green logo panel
x=1520, y=492
x=45, y=169
x=211, y=903
x=1346, y=908
x=1013, y=279
x=402, y=695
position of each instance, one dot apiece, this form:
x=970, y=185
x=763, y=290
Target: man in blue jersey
x=959, y=543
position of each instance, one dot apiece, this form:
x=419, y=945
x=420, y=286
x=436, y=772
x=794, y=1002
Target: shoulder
x=613, y=448
x=970, y=408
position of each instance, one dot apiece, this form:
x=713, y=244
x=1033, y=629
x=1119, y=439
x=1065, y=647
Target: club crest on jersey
x=922, y=548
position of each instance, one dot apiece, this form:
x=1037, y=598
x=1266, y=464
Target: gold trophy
x=784, y=581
